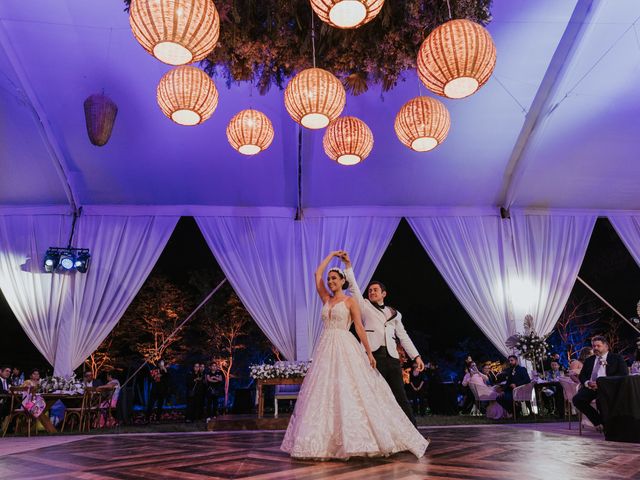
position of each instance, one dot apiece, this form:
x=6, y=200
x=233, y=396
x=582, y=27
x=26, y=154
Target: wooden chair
x=92, y=410
x=523, y=393
x=284, y=392
x=17, y=412
x=75, y=415
x=106, y=407
x=569, y=389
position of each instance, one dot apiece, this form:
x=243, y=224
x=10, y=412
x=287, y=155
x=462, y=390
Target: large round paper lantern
x=187, y=95
x=314, y=97
x=176, y=32
x=422, y=123
x=250, y=132
x=346, y=13
x=348, y=140
x=456, y=59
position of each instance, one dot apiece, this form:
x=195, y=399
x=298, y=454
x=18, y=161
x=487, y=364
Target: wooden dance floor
x=493, y=452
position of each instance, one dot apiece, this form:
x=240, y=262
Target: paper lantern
x=348, y=140
x=176, y=32
x=422, y=123
x=187, y=95
x=456, y=59
x=346, y=13
x=314, y=97
x=100, y=115
x=250, y=132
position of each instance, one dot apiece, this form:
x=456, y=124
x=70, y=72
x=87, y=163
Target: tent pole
x=608, y=304
x=182, y=324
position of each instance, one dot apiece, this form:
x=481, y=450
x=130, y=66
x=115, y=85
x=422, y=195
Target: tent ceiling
x=582, y=155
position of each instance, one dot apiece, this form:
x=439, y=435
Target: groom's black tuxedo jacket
x=615, y=366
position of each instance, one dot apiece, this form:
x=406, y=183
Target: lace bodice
x=336, y=316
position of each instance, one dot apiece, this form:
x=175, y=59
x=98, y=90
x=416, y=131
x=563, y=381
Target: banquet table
x=619, y=404
x=50, y=399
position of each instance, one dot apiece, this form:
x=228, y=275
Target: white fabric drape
x=67, y=316
x=548, y=251
x=365, y=238
x=628, y=228
x=270, y=263
x=501, y=270
x=469, y=252
x=258, y=256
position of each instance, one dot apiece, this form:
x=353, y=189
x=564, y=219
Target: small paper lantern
x=250, y=132
x=422, y=123
x=187, y=95
x=100, y=115
x=456, y=59
x=314, y=97
x=176, y=32
x=346, y=13
x=348, y=140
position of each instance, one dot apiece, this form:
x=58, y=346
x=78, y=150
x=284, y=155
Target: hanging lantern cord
x=449, y=7
x=313, y=39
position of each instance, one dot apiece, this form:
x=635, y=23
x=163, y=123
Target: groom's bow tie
x=378, y=306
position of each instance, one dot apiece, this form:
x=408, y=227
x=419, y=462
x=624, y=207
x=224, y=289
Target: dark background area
x=438, y=324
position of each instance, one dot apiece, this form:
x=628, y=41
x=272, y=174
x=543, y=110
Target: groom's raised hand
x=345, y=258
x=419, y=363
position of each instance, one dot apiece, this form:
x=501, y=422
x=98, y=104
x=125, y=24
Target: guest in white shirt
x=602, y=364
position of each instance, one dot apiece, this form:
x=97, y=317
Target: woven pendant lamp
x=187, y=95
x=176, y=32
x=100, y=115
x=314, y=97
x=250, y=132
x=348, y=140
x=347, y=13
x=456, y=59
x=422, y=123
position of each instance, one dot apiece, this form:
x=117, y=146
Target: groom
x=383, y=325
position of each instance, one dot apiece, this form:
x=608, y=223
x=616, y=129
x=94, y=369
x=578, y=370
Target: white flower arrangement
x=279, y=370
x=532, y=347
x=56, y=384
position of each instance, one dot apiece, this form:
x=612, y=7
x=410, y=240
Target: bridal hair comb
x=339, y=271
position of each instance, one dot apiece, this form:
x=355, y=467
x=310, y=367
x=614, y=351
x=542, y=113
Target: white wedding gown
x=345, y=408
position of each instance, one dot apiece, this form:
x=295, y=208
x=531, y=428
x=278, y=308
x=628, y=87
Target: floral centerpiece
x=279, y=370
x=55, y=384
x=530, y=345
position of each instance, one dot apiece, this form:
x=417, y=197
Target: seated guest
x=514, y=376
x=114, y=382
x=575, y=367
x=491, y=377
x=554, y=357
x=33, y=380
x=603, y=364
x=89, y=381
x=635, y=366
x=554, y=392
x=5, y=383
x=17, y=377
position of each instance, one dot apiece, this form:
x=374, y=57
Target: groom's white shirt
x=381, y=328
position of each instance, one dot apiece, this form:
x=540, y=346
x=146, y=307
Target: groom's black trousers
x=391, y=371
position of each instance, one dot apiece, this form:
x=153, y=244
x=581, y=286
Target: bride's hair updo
x=341, y=274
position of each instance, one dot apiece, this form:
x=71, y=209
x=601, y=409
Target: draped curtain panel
x=68, y=315
x=548, y=252
x=258, y=256
x=364, y=238
x=470, y=254
x=36, y=298
x=628, y=228
x=501, y=270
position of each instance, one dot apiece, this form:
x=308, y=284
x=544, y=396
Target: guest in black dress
x=417, y=390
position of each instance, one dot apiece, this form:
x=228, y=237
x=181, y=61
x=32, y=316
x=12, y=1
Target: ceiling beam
x=542, y=106
x=40, y=117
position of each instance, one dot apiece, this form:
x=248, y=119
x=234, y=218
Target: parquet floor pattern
x=495, y=452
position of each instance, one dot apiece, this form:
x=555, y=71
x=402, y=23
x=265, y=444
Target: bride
x=345, y=407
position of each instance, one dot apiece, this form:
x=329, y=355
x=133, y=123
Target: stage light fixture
x=58, y=259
